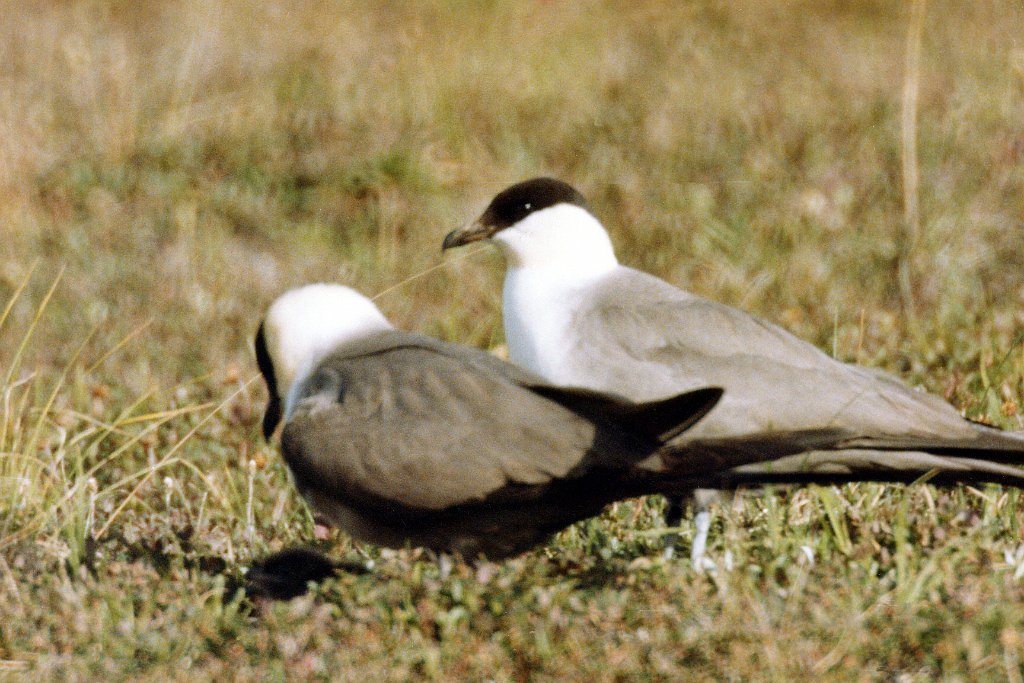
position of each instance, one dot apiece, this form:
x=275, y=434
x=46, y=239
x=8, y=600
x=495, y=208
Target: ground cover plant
x=851, y=170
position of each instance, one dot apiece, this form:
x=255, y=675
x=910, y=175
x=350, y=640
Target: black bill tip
x=474, y=232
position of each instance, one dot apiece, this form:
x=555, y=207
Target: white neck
x=553, y=256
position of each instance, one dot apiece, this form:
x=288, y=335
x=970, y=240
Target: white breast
x=538, y=316
x=554, y=256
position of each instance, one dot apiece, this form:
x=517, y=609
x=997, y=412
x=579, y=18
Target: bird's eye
x=527, y=206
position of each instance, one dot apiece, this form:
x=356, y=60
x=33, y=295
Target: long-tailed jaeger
x=403, y=439
x=575, y=316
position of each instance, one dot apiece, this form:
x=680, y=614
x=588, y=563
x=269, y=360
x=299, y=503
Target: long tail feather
x=836, y=467
x=833, y=456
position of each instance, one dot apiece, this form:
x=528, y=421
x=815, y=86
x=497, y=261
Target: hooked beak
x=472, y=232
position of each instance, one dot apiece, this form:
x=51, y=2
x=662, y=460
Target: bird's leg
x=702, y=501
x=702, y=524
x=444, y=566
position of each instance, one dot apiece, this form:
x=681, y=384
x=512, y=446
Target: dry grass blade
x=168, y=459
x=416, y=276
x=15, y=361
x=910, y=165
x=17, y=293
x=44, y=412
x=119, y=345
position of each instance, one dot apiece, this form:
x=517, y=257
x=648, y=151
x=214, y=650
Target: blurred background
x=186, y=161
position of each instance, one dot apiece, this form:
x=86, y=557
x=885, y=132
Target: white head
x=301, y=327
x=542, y=223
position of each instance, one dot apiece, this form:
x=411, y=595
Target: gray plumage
x=641, y=337
x=621, y=330
x=403, y=439
x=577, y=317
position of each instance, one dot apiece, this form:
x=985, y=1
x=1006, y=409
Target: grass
x=167, y=168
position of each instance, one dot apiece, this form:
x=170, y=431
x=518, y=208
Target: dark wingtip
x=692, y=406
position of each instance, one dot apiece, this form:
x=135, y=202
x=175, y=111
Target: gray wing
x=379, y=427
x=644, y=338
x=473, y=359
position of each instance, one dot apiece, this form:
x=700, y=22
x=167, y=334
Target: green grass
x=167, y=168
